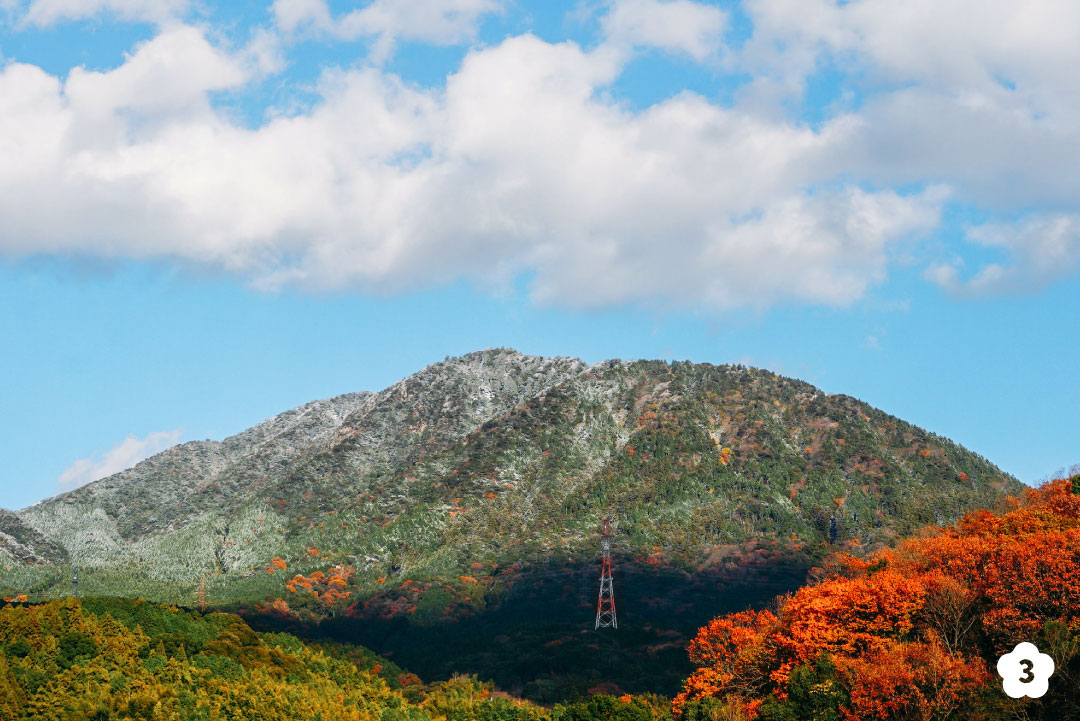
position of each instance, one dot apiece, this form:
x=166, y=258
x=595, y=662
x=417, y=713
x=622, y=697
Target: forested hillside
x=120, y=659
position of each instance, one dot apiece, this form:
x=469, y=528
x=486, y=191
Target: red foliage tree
x=913, y=680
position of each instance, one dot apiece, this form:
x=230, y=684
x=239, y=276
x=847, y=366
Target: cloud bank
x=524, y=164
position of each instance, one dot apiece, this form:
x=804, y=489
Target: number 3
x=1028, y=676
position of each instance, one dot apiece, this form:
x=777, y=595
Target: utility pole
x=605, y=604
x=75, y=581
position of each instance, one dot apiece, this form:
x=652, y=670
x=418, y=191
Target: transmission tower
x=202, y=593
x=605, y=604
x=75, y=581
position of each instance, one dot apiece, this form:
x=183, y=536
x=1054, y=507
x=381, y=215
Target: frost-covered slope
x=183, y=485
x=21, y=544
x=497, y=457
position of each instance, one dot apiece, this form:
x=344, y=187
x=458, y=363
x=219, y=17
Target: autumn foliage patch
x=912, y=632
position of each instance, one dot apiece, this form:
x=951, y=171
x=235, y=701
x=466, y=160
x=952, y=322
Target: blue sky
x=212, y=213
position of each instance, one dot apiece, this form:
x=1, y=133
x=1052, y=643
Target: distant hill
x=477, y=479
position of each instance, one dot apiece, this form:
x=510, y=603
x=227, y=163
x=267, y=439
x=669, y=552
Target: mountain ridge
x=497, y=453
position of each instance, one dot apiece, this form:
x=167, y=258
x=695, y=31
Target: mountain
x=471, y=493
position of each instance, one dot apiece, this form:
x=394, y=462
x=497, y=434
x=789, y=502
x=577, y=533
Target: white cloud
x=938, y=43
x=263, y=53
x=1042, y=248
x=120, y=457
x=292, y=15
x=675, y=25
x=993, y=155
x=439, y=22
x=43, y=13
x=981, y=94
x=518, y=166
x=524, y=164
x=168, y=75
x=442, y=22
x=943, y=274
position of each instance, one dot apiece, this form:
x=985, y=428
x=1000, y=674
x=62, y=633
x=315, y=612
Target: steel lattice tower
x=605, y=604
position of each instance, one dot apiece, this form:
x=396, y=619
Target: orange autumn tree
x=277, y=564
x=321, y=594
x=845, y=617
x=902, y=680
x=911, y=632
x=735, y=656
